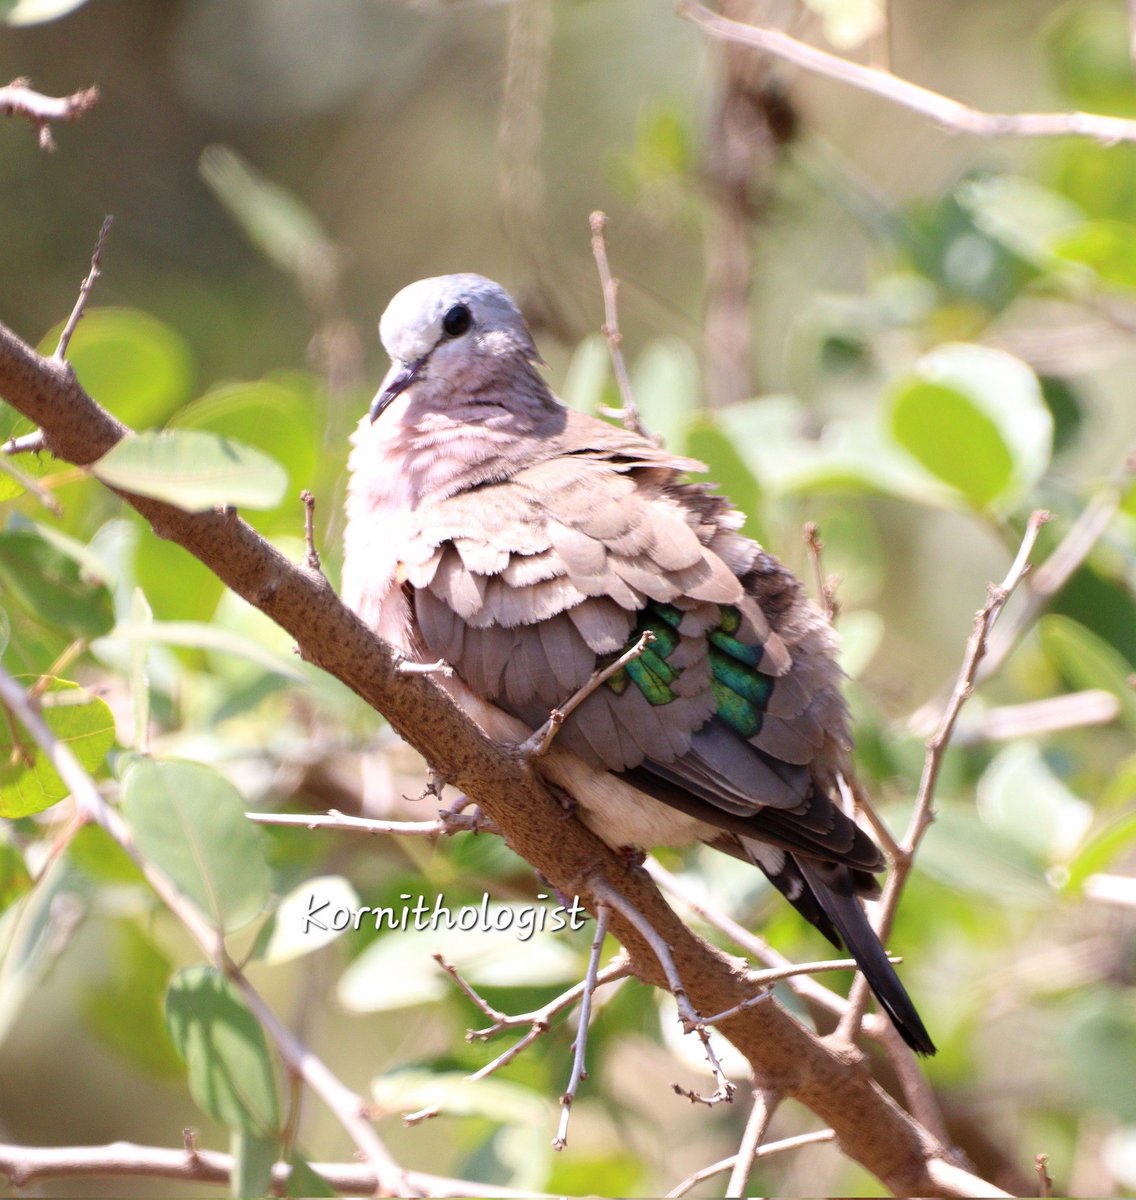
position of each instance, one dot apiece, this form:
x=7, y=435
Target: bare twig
x=311, y=554
x=817, y=1137
x=18, y=100
x=445, y=824
x=825, y=590
x=689, y=1019
x=923, y=813
x=84, y=291
x=1044, y=1181
x=851, y=790
x=579, y=1071
x=765, y=1103
x=948, y=113
x=28, y=443
x=345, y=1104
x=24, y=1165
x=610, y=286
x=1073, y=710
x=541, y=741
x=539, y=1020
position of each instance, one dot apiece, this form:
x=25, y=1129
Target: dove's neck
x=437, y=440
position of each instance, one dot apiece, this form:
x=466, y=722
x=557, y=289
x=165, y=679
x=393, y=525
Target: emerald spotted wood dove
x=528, y=545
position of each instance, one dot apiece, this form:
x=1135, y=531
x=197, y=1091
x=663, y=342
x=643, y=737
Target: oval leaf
x=192, y=469
x=190, y=822
x=975, y=419
x=225, y=1051
x=292, y=934
x=1088, y=661
x=28, y=781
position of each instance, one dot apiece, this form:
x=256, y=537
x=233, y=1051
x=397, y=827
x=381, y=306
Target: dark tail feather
x=833, y=887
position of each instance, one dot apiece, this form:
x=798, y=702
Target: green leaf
x=28, y=782
x=290, y=934
x=588, y=373
x=130, y=362
x=1107, y=248
x=14, y=878
x=456, y=1095
x=975, y=419
x=5, y=630
x=48, y=581
x=225, y=1051
x=141, y=617
x=1088, y=49
x=304, y=1180
x=706, y=441
x=199, y=636
x=1088, y=661
x=1024, y=217
x=282, y=422
x=285, y=230
x=254, y=1157
x=666, y=382
x=194, y=470
x=1019, y=795
x=1098, y=1049
x=125, y=1010
x=1101, y=850
x=190, y=822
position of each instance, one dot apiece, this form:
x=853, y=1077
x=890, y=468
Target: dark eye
x=457, y=321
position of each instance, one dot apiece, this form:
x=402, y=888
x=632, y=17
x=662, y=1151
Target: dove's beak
x=398, y=379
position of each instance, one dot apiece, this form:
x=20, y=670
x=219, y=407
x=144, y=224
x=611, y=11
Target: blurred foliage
x=944, y=342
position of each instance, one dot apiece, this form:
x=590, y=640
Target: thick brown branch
x=868, y=1124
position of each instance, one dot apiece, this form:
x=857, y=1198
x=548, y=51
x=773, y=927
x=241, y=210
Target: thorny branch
x=946, y=112
x=610, y=286
x=18, y=100
x=923, y=813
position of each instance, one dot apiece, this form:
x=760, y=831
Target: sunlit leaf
x=849, y=23
x=194, y=470
x=1108, y=248
x=456, y=1095
x=35, y=12
x=199, y=636
x=974, y=418
x=666, y=382
x=254, y=1156
x=1019, y=795
x=225, y=1051
x=296, y=927
x=588, y=372
x=49, y=582
x=1102, y=850
x=190, y=822
x=1023, y=216
x=28, y=782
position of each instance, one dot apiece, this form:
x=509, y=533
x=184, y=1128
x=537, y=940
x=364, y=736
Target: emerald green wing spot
x=750, y=655
x=668, y=613
x=652, y=683
x=738, y=713
x=650, y=672
x=747, y=683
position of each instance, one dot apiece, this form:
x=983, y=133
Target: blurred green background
x=910, y=337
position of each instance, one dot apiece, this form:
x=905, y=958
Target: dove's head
x=453, y=330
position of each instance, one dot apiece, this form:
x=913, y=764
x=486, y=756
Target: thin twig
x=948, y=113
x=689, y=1019
x=24, y=1164
x=84, y=291
x=345, y=1104
x=825, y=590
x=765, y=1103
x=1044, y=1181
x=27, y=443
x=539, y=1020
x=1073, y=710
x=446, y=823
x=754, y=945
x=850, y=787
x=923, y=813
x=18, y=100
x=630, y=413
x=579, y=1070
x=541, y=741
x=311, y=554
x=817, y=1137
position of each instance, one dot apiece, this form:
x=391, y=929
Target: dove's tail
x=833, y=888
